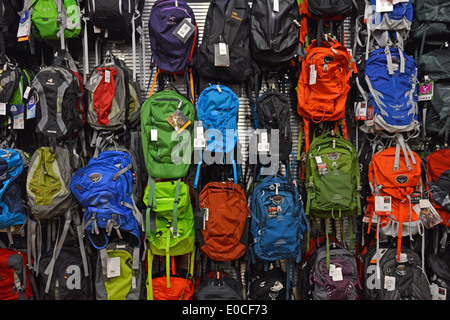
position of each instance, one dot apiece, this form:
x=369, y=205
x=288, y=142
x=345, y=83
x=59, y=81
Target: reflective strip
x=43, y=105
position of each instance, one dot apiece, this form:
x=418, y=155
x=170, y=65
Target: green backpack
x=169, y=223
x=332, y=177
x=167, y=154
x=49, y=17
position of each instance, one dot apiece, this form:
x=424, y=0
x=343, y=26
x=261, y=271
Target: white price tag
x=383, y=204
x=113, y=267
x=389, y=283
x=154, y=135
x=107, y=76
x=223, y=49
x=312, y=75
x=276, y=5
x=2, y=108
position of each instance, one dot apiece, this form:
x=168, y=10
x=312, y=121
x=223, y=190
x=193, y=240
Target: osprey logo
x=401, y=179
x=327, y=59
x=395, y=107
x=95, y=177
x=277, y=199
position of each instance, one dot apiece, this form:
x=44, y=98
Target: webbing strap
x=175, y=208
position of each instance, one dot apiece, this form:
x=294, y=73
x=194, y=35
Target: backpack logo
x=50, y=82
x=328, y=59
x=401, y=178
x=401, y=270
x=95, y=177
x=333, y=156
x=234, y=15
x=277, y=199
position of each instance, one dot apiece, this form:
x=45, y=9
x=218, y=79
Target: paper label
x=113, y=267
x=383, y=205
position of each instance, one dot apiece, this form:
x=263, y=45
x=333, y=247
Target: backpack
x=123, y=279
x=332, y=177
x=438, y=270
x=15, y=276
x=274, y=33
x=227, y=22
x=395, y=172
x=58, y=91
x=425, y=10
x=47, y=184
x=273, y=112
x=54, y=20
x=169, y=225
x=69, y=279
x=380, y=25
x=268, y=285
x=167, y=145
x=278, y=220
x=324, y=83
x=329, y=10
x=13, y=165
x=223, y=221
x=395, y=279
x=438, y=182
x=9, y=20
x=218, y=285
x=108, y=96
x=104, y=189
x=331, y=273
x=394, y=110
x=173, y=35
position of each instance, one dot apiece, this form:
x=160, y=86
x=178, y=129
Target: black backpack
x=274, y=33
x=267, y=285
x=228, y=22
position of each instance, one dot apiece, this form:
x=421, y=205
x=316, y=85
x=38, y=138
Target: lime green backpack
x=167, y=119
x=50, y=17
x=332, y=177
x=169, y=223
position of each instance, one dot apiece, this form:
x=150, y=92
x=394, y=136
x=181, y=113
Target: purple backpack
x=173, y=35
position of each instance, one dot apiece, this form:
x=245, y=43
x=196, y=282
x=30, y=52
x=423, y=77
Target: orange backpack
x=324, y=83
x=225, y=230
x=395, y=172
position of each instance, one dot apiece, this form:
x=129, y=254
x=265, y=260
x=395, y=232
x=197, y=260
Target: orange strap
x=400, y=230
x=153, y=84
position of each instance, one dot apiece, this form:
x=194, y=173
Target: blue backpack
x=278, y=222
x=217, y=109
x=104, y=190
x=391, y=76
x=12, y=164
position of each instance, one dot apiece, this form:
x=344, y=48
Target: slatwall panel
x=143, y=58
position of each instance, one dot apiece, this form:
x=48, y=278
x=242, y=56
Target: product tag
x=389, y=283
x=23, y=32
x=154, y=135
x=27, y=92
x=221, y=55
x=361, y=110
x=97, y=30
x=178, y=120
x=113, y=267
x=437, y=292
x=336, y=273
x=276, y=5
x=383, y=205
x=273, y=211
x=184, y=30
x=384, y=5
x=16, y=111
x=107, y=76
x=427, y=213
x=322, y=167
x=426, y=91
x=312, y=75
x=2, y=108
x=31, y=105
x=369, y=116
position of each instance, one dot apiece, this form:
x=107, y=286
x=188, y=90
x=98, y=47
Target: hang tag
x=336, y=273
x=154, y=135
x=178, y=120
x=24, y=30
x=312, y=75
x=18, y=115
x=221, y=55
x=107, y=76
x=318, y=159
x=369, y=116
x=427, y=213
x=425, y=91
x=2, y=108
x=97, y=30
x=323, y=168
x=27, y=92
x=31, y=105
x=360, y=110
x=384, y=5
x=184, y=30
x=437, y=292
x=113, y=267
x=389, y=283
x=276, y=5
x=383, y=205
x=199, y=143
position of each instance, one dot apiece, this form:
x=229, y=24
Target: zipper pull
x=45, y=169
x=180, y=102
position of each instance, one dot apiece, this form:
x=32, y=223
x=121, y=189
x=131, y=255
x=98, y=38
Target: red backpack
x=438, y=182
x=15, y=276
